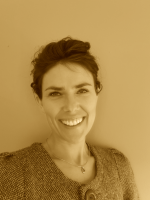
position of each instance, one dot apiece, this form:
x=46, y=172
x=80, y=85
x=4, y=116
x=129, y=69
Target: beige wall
x=119, y=32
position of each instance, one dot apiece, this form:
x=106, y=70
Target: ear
x=98, y=90
x=39, y=102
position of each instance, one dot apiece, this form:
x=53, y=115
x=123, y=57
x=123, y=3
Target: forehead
x=64, y=74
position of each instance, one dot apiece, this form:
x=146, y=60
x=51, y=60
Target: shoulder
x=13, y=157
x=119, y=157
x=11, y=178
x=114, y=158
x=19, y=154
x=18, y=160
x=13, y=161
x=111, y=154
x=121, y=161
x=118, y=161
x=12, y=165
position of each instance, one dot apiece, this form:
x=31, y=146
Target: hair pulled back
x=67, y=50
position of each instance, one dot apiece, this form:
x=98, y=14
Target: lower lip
x=74, y=125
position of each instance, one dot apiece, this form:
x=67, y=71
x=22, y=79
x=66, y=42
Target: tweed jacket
x=31, y=174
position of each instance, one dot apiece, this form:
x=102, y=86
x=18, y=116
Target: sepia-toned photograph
x=75, y=100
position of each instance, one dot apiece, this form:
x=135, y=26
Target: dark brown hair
x=67, y=50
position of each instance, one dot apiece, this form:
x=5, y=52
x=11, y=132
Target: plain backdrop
x=119, y=33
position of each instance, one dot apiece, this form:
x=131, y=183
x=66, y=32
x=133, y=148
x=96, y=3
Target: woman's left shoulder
x=112, y=155
x=115, y=158
x=121, y=160
x=118, y=162
x=117, y=155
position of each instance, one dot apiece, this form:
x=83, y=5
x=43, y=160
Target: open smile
x=72, y=123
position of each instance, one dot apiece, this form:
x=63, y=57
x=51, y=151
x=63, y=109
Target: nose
x=71, y=104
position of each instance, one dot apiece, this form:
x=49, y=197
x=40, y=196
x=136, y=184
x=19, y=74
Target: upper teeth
x=72, y=122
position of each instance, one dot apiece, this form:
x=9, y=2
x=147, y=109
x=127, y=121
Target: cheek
x=91, y=113
x=90, y=104
x=51, y=110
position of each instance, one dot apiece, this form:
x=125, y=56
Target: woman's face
x=69, y=101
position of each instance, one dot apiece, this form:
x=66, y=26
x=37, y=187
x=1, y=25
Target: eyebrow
x=62, y=88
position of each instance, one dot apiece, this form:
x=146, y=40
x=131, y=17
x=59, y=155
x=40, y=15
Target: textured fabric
x=31, y=174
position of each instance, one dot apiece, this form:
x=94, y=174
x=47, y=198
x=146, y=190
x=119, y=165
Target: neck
x=76, y=153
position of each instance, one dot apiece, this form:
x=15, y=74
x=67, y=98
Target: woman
x=66, y=87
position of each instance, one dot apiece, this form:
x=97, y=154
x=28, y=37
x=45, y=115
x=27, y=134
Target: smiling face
x=69, y=101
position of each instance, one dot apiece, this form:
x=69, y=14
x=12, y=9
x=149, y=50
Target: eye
x=83, y=91
x=54, y=94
